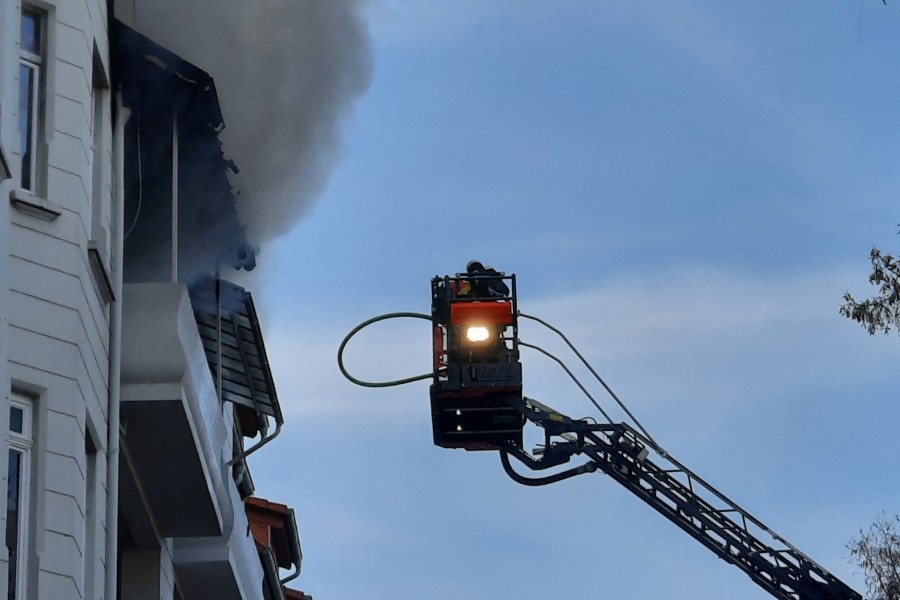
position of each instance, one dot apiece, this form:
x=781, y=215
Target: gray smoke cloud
x=287, y=73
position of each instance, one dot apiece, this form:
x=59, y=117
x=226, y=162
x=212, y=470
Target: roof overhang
x=274, y=526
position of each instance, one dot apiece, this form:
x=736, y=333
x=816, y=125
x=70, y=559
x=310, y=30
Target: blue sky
x=686, y=189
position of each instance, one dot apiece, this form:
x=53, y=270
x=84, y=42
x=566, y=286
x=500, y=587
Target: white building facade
x=55, y=329
x=130, y=402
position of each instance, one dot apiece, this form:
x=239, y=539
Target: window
x=100, y=201
x=17, y=493
x=90, y=516
x=31, y=62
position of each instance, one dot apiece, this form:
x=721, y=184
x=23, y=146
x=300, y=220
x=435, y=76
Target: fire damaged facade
x=136, y=382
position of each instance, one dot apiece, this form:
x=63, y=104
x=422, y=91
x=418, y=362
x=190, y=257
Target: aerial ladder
x=477, y=404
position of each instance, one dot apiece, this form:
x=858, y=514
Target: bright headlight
x=477, y=333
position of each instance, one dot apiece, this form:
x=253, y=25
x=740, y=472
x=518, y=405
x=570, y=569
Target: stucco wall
x=56, y=346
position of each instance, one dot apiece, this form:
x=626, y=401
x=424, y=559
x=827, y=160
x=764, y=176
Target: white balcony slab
x=173, y=426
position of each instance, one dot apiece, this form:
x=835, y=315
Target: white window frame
x=37, y=64
x=21, y=443
x=100, y=128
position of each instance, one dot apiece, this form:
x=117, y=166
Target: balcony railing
x=232, y=339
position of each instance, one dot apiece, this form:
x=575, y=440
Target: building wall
x=55, y=347
x=7, y=123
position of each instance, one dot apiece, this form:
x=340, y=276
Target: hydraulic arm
x=681, y=496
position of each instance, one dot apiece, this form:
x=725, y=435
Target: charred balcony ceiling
x=181, y=220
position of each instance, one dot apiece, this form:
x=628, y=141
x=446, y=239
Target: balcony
x=174, y=432
x=225, y=567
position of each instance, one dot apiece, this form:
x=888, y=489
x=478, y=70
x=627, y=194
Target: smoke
x=287, y=73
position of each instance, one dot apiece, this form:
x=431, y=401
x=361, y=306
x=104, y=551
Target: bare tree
x=877, y=553
x=881, y=313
